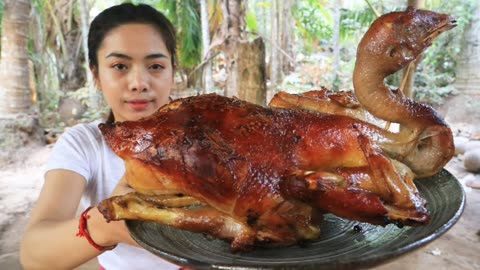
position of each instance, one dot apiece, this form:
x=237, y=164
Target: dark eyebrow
x=156, y=55
x=118, y=55
x=124, y=56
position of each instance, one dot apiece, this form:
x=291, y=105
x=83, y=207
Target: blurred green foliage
x=185, y=15
x=312, y=28
x=314, y=22
x=251, y=22
x=436, y=72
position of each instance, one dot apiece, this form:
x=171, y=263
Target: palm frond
x=185, y=16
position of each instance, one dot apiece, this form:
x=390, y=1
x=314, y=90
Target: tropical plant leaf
x=251, y=22
x=185, y=16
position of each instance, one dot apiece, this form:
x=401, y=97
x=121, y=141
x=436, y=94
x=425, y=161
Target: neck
x=376, y=97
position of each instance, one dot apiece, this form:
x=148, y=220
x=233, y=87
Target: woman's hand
x=122, y=188
x=54, y=225
x=114, y=232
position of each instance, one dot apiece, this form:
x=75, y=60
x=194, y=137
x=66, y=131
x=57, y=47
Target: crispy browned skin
x=324, y=101
x=270, y=170
x=266, y=175
x=425, y=142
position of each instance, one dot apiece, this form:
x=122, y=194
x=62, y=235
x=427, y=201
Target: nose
x=138, y=80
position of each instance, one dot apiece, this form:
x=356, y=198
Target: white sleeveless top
x=82, y=149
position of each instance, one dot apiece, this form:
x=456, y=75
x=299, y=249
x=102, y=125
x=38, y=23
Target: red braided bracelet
x=83, y=231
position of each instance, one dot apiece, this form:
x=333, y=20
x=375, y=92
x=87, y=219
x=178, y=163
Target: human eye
x=156, y=67
x=120, y=67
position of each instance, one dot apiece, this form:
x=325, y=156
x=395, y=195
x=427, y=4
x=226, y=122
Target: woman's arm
x=50, y=240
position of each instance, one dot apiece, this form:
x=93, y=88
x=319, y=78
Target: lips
x=138, y=104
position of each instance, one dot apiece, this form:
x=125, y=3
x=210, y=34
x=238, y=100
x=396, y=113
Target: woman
x=132, y=58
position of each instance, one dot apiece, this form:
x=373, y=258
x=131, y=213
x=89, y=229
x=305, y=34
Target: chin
x=142, y=114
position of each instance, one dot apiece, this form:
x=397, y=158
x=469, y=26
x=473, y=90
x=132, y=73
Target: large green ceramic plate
x=339, y=246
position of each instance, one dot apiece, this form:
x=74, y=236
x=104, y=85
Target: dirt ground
x=21, y=181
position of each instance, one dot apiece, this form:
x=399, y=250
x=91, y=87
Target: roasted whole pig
x=256, y=175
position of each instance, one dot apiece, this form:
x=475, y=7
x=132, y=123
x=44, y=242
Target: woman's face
x=134, y=72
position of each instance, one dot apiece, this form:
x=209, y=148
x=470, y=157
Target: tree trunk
x=274, y=54
x=245, y=60
x=233, y=23
x=15, y=93
x=65, y=38
x=250, y=71
x=207, y=74
x=84, y=19
x=336, y=44
x=95, y=98
x=286, y=37
x=17, y=125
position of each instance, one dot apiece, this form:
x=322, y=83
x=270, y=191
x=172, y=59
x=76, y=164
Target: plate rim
x=370, y=260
